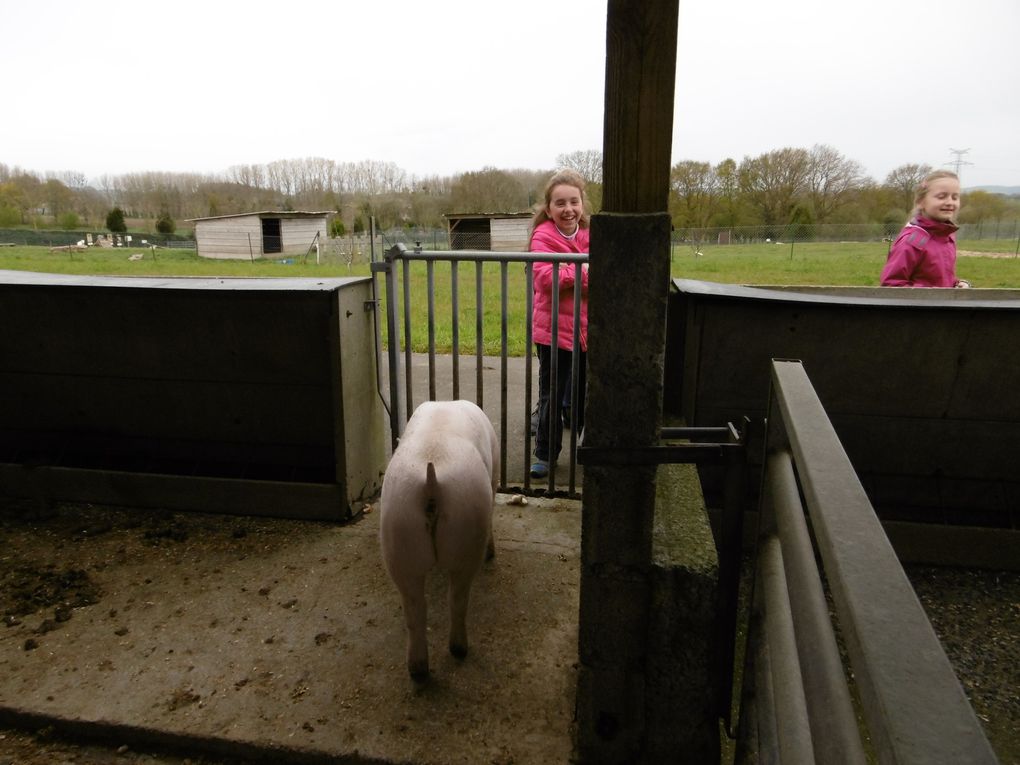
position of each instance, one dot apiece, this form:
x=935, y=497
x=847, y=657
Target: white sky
x=457, y=85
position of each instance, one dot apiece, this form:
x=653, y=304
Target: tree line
x=784, y=186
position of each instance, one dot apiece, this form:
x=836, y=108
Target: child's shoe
x=540, y=469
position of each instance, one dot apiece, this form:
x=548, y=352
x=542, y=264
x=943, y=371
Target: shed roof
x=266, y=214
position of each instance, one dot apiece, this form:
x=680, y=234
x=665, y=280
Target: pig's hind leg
x=460, y=591
x=412, y=595
x=409, y=555
x=470, y=546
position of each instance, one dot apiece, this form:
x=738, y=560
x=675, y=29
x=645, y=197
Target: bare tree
x=903, y=181
x=831, y=179
x=693, y=199
x=488, y=191
x=587, y=162
x=772, y=182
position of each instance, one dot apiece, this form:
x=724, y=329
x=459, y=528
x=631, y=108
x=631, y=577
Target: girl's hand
x=963, y=284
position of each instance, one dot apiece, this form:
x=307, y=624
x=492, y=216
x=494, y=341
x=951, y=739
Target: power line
x=959, y=161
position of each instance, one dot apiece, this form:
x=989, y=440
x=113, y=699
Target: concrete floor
x=284, y=640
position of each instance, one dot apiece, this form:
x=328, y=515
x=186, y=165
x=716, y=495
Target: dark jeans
x=543, y=439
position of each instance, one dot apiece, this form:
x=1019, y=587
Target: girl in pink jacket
x=559, y=225
x=924, y=254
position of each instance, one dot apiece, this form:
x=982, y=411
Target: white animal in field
x=436, y=510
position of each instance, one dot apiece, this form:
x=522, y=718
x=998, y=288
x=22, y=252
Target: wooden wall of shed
x=299, y=233
x=228, y=238
x=510, y=234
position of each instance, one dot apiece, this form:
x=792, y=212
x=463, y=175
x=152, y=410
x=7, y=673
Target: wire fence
x=1007, y=231
x=833, y=232
x=41, y=238
x=358, y=249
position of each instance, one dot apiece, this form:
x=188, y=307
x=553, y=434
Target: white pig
x=436, y=509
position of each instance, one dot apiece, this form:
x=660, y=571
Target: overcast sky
x=438, y=88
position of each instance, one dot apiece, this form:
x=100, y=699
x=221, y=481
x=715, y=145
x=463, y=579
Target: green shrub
x=10, y=216
x=115, y=221
x=69, y=221
x=336, y=228
x=165, y=224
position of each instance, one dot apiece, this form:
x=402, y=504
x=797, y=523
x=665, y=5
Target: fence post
x=393, y=347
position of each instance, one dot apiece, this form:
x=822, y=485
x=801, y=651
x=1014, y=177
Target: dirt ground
x=288, y=634
x=236, y=639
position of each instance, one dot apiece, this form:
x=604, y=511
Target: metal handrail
x=914, y=709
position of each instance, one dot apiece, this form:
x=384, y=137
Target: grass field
x=844, y=264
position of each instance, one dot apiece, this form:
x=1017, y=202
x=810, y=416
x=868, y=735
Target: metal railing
x=401, y=397
x=798, y=706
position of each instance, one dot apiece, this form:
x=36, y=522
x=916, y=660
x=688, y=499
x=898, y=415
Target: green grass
x=844, y=264
x=856, y=264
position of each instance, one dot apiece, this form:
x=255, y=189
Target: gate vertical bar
x=393, y=345
x=529, y=355
x=575, y=376
x=503, y=281
x=479, y=337
x=408, y=366
x=554, y=347
x=430, y=269
x=455, y=318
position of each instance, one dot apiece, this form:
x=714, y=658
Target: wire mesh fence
x=358, y=249
x=831, y=232
x=439, y=239
x=43, y=238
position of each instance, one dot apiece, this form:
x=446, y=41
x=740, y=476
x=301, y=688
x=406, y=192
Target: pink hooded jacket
x=547, y=238
x=923, y=255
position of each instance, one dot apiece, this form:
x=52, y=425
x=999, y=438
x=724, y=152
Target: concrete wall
x=681, y=698
x=234, y=395
x=922, y=386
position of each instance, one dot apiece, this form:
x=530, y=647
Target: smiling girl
x=924, y=254
x=559, y=225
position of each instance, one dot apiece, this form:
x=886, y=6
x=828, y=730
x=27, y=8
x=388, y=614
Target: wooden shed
x=499, y=232
x=268, y=234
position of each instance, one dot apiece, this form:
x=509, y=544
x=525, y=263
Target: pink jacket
x=547, y=238
x=923, y=255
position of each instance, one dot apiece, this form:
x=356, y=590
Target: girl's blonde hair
x=922, y=189
x=564, y=177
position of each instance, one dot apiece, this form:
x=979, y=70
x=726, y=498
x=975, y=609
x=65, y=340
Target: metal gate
x=516, y=394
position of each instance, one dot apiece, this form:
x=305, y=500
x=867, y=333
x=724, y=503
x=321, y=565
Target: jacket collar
x=940, y=228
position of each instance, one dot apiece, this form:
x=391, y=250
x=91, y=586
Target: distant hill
x=1009, y=191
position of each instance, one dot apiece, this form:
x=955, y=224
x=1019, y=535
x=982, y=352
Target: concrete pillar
x=627, y=323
